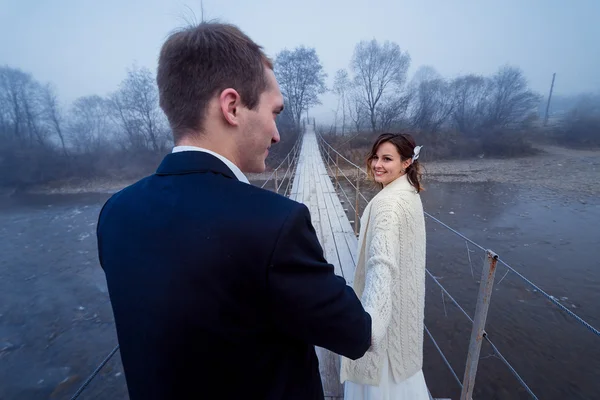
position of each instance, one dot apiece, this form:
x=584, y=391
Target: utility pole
x=549, y=98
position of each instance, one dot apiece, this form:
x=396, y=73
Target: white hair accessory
x=416, y=152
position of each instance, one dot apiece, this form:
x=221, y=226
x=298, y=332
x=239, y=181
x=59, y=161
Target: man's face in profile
x=259, y=130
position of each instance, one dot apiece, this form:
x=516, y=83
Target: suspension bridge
x=311, y=174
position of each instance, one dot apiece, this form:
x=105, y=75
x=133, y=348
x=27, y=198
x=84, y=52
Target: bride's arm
x=382, y=267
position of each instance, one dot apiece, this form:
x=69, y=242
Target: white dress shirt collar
x=234, y=168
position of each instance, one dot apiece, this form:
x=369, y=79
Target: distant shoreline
x=557, y=168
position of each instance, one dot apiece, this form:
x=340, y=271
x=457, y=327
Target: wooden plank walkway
x=313, y=187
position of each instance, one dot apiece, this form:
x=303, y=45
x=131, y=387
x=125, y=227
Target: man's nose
x=276, y=138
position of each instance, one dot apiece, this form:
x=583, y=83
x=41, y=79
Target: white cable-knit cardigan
x=390, y=281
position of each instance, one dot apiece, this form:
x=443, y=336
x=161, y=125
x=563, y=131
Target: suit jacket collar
x=190, y=162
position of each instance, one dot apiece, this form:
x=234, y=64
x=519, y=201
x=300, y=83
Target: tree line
x=125, y=133
x=121, y=136
x=464, y=116
x=41, y=140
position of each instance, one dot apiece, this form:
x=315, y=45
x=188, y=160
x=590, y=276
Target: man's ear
x=230, y=103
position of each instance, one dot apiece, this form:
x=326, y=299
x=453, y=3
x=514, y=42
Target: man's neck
x=206, y=142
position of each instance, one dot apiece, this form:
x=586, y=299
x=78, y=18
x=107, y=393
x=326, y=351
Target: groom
x=219, y=289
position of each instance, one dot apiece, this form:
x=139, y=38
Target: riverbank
x=554, y=168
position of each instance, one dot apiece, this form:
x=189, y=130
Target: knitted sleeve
x=382, y=265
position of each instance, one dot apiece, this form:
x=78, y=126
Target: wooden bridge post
x=336, y=170
x=356, y=214
x=481, y=310
x=296, y=151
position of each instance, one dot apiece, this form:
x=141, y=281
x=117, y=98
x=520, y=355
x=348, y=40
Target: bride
x=390, y=278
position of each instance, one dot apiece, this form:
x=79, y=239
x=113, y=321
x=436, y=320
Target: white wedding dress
x=413, y=388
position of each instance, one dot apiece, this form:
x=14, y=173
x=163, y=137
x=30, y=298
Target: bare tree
x=425, y=73
x=379, y=71
x=131, y=136
x=302, y=79
x=53, y=114
x=470, y=95
x=21, y=96
x=138, y=104
x=341, y=86
x=392, y=111
x=32, y=108
x=432, y=105
x=356, y=110
x=89, y=124
x=11, y=83
x=5, y=123
x=511, y=101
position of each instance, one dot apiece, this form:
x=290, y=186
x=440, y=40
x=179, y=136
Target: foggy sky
x=84, y=47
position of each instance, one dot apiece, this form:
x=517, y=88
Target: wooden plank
x=336, y=225
x=346, y=261
x=331, y=251
x=346, y=228
x=301, y=181
x=336, y=215
x=328, y=183
x=296, y=173
x=313, y=187
x=329, y=367
x=294, y=189
x=347, y=264
x=306, y=184
x=349, y=236
x=352, y=242
x=322, y=212
x=329, y=244
x=301, y=170
x=296, y=181
x=315, y=209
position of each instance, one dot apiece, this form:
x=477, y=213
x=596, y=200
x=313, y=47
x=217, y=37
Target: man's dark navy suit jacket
x=220, y=289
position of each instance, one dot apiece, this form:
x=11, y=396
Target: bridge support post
x=337, y=184
x=481, y=310
x=356, y=212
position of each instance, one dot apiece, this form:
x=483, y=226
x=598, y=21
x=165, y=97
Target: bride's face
x=387, y=164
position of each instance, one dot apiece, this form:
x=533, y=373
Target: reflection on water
x=56, y=321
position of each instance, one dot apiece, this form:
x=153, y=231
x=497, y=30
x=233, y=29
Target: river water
x=56, y=323
x=549, y=238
